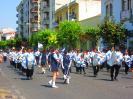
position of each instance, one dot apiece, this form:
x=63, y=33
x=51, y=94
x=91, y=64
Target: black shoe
x=112, y=79
x=126, y=73
x=115, y=79
x=95, y=75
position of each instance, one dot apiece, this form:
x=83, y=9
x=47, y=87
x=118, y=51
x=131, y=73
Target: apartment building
x=35, y=14
x=78, y=10
x=48, y=8
x=28, y=17
x=121, y=11
x=19, y=29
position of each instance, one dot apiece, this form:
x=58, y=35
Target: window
x=126, y=5
x=129, y=4
x=123, y=5
x=109, y=10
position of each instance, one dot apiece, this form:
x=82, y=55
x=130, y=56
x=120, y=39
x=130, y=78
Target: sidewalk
x=6, y=90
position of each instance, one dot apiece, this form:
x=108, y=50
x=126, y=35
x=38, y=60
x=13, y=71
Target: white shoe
x=44, y=71
x=50, y=82
x=54, y=86
x=64, y=77
x=68, y=81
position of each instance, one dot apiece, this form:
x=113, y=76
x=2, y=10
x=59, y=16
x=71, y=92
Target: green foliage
x=113, y=33
x=47, y=37
x=3, y=44
x=93, y=33
x=69, y=33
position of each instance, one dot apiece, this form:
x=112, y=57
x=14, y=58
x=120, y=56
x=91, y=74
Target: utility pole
x=68, y=7
x=29, y=22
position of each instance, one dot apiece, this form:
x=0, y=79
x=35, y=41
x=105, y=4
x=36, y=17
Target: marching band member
x=5, y=56
x=66, y=66
x=23, y=63
x=82, y=64
x=37, y=56
x=43, y=59
x=30, y=63
x=115, y=63
x=77, y=60
x=55, y=61
x=127, y=61
x=97, y=61
x=107, y=58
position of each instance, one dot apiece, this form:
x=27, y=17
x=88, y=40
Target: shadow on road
x=104, y=79
x=48, y=86
x=127, y=77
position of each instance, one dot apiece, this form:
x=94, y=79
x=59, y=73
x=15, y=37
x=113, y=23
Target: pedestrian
x=66, y=66
x=54, y=63
x=5, y=56
x=127, y=61
x=30, y=63
x=37, y=57
x=82, y=64
x=43, y=61
x=96, y=62
x=115, y=63
x=23, y=63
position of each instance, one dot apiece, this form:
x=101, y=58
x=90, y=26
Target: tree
x=113, y=33
x=3, y=44
x=47, y=37
x=69, y=33
x=92, y=34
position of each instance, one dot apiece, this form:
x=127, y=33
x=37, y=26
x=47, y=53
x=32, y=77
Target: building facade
x=48, y=8
x=19, y=29
x=29, y=17
x=78, y=10
x=121, y=11
x=7, y=34
x=36, y=14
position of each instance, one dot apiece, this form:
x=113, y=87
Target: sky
x=8, y=13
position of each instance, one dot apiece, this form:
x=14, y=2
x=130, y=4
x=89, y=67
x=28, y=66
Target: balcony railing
x=126, y=15
x=45, y=4
x=46, y=21
x=17, y=15
x=17, y=22
x=35, y=1
x=34, y=10
x=34, y=20
x=34, y=29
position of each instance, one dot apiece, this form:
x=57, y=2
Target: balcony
x=46, y=21
x=34, y=20
x=20, y=22
x=35, y=1
x=34, y=10
x=126, y=15
x=34, y=29
x=17, y=15
x=45, y=4
x=17, y=22
x=46, y=9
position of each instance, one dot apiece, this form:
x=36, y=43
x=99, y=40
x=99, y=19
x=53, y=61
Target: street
x=80, y=87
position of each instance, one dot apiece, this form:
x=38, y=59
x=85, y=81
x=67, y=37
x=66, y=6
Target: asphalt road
x=80, y=87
